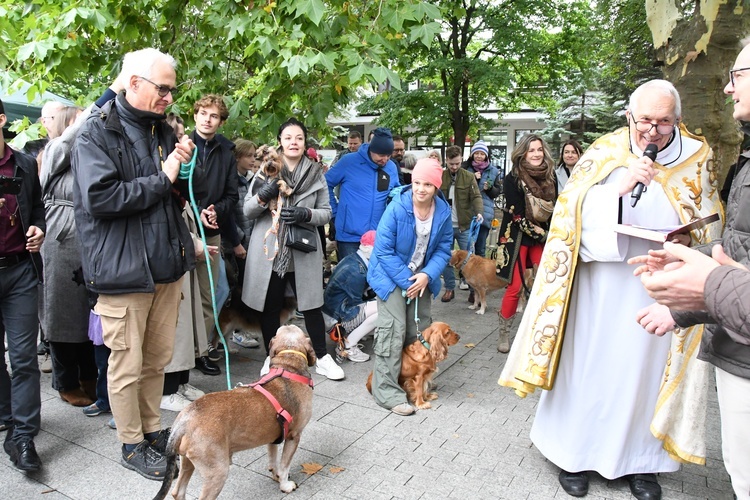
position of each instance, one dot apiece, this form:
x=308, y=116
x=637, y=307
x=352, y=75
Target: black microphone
x=650, y=152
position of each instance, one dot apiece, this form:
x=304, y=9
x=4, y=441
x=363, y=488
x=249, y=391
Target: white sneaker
x=353, y=353
x=190, y=392
x=244, y=340
x=327, y=367
x=266, y=366
x=46, y=364
x=174, y=402
x=463, y=285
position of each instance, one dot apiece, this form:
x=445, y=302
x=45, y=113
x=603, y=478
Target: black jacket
x=220, y=168
x=127, y=214
x=30, y=204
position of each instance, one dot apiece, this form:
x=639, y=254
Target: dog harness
x=282, y=416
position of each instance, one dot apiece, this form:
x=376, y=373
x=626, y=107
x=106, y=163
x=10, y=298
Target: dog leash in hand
x=420, y=337
x=186, y=172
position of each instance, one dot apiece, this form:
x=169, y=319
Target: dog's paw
x=481, y=311
x=430, y=396
x=288, y=486
x=472, y=307
x=423, y=406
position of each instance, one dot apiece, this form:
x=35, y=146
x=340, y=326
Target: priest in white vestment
x=608, y=378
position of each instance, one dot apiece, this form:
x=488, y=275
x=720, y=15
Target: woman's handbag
x=540, y=209
x=301, y=238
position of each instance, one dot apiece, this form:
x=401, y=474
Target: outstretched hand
x=681, y=283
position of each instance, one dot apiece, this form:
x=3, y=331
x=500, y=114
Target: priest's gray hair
x=662, y=87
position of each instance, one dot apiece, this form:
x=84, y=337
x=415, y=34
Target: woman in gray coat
x=64, y=308
x=272, y=265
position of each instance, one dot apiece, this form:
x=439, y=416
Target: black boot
x=207, y=366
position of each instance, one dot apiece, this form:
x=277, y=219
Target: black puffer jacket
x=128, y=217
x=726, y=339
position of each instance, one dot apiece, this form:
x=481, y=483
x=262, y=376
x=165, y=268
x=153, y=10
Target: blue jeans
x=344, y=248
x=101, y=356
x=481, y=244
x=449, y=274
x=20, y=397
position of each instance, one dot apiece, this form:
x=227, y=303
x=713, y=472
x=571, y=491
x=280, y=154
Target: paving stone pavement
x=473, y=443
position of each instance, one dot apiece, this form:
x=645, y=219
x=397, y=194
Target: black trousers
x=173, y=381
x=71, y=363
x=270, y=321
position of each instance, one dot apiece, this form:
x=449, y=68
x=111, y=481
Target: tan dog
x=212, y=428
x=480, y=274
x=270, y=164
x=419, y=365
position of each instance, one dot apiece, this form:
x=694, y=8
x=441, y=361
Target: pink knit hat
x=428, y=170
x=368, y=239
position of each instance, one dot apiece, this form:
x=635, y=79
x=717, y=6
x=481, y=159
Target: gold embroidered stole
x=532, y=362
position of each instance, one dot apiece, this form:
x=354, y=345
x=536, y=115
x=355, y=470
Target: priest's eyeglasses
x=645, y=126
x=162, y=90
x=733, y=71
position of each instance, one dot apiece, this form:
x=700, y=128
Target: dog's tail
x=171, y=455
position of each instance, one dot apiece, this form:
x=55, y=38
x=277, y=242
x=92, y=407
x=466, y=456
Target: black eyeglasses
x=645, y=126
x=733, y=71
x=162, y=90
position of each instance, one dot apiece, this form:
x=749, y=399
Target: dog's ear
x=311, y=357
x=436, y=336
x=272, y=348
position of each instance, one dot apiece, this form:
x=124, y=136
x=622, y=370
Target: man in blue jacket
x=365, y=179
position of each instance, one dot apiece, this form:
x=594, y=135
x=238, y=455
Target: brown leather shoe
x=89, y=387
x=76, y=397
x=448, y=296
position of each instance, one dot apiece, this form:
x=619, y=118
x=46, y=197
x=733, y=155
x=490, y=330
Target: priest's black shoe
x=575, y=484
x=207, y=366
x=23, y=455
x=644, y=486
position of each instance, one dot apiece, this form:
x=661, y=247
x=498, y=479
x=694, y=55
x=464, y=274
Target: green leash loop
x=186, y=172
x=420, y=337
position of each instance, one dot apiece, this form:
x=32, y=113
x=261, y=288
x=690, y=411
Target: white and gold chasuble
x=610, y=382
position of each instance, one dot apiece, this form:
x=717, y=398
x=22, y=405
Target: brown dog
x=270, y=164
x=212, y=428
x=419, y=365
x=480, y=274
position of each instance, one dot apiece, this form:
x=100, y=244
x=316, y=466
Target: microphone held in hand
x=650, y=153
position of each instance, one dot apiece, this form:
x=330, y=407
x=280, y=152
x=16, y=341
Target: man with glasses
x=620, y=402
x=714, y=291
x=135, y=244
x=399, y=150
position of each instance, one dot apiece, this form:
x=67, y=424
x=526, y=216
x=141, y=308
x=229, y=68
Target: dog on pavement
x=212, y=428
x=480, y=274
x=419, y=364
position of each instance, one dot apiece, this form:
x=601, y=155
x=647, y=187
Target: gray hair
x=663, y=87
x=141, y=63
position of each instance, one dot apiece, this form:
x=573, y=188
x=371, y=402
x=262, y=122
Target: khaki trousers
x=395, y=329
x=734, y=405
x=139, y=328
x=201, y=270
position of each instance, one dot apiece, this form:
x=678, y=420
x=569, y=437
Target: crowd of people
x=109, y=201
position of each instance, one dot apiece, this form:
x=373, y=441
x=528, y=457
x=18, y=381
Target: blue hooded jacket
x=396, y=240
x=360, y=205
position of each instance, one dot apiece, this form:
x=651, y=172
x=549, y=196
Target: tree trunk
x=697, y=50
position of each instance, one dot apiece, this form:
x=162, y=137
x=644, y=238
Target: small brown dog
x=270, y=164
x=419, y=364
x=480, y=274
x=212, y=428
